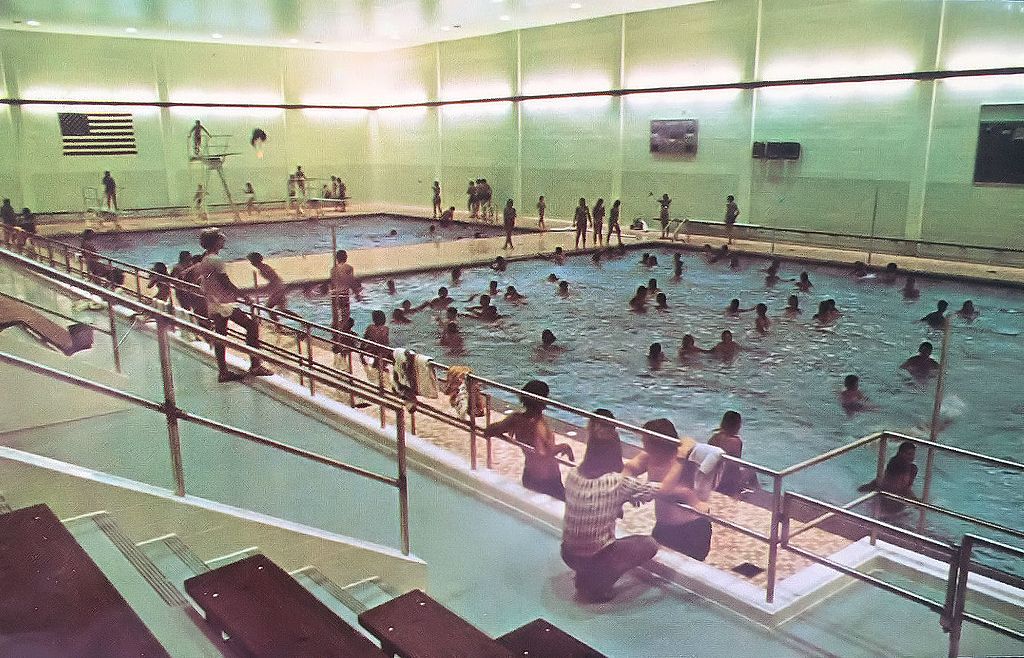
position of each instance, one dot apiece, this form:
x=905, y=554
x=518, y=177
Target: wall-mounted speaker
x=789, y=150
x=776, y=150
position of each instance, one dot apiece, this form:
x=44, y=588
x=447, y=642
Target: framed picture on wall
x=674, y=137
x=1000, y=155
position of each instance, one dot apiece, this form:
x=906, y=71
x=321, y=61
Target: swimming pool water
x=785, y=383
x=285, y=238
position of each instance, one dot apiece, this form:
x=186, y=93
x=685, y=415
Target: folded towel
x=706, y=457
x=453, y=382
x=426, y=380
x=404, y=385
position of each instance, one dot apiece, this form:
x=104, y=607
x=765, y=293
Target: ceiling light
x=445, y=28
x=217, y=35
x=576, y=5
x=293, y=40
x=131, y=30
x=497, y=2
x=504, y=17
x=32, y=23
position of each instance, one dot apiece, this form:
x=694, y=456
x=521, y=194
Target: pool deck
x=297, y=270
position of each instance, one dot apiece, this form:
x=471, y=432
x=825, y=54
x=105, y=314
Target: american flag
x=97, y=133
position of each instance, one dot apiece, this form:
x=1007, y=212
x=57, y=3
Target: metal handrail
x=997, y=461
x=173, y=414
x=954, y=514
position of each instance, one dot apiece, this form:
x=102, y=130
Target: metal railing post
x=956, y=621
x=309, y=355
x=403, y=482
x=933, y=433
x=773, y=538
x=883, y=452
x=380, y=391
x=472, y=423
x=170, y=408
x=138, y=285
x=115, y=344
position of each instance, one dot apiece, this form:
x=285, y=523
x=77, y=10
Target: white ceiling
x=359, y=25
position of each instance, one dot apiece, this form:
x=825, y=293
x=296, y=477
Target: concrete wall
x=897, y=156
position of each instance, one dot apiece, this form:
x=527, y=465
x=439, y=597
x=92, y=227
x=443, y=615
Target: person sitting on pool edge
x=727, y=348
x=675, y=527
x=727, y=437
x=937, y=318
x=595, y=492
x=530, y=430
x=921, y=364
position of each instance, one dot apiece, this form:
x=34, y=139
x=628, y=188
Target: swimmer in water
x=804, y=284
x=851, y=399
x=652, y=286
x=762, y=323
x=393, y=232
x=392, y=288
x=456, y=274
x=922, y=364
x=451, y=337
x=967, y=311
x=652, y=261
x=440, y=302
x=677, y=265
x=552, y=277
x=734, y=263
x=655, y=355
x=485, y=311
x=661, y=302
x=451, y=314
x=733, y=309
x=547, y=339
x=911, y=291
x=563, y=288
x=827, y=312
x=689, y=347
x=492, y=288
x=513, y=295
x=596, y=257
x=889, y=274
x=499, y=264
x=721, y=254
x=639, y=301
x=559, y=256
x=792, y=309
x=773, y=267
x=727, y=348
x=937, y=318
x=860, y=270
x=401, y=314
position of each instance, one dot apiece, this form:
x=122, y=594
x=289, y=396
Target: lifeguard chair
x=94, y=210
x=212, y=154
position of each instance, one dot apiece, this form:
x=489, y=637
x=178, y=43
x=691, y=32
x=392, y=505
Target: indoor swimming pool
x=785, y=384
x=296, y=238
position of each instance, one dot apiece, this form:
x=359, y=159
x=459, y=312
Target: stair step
x=333, y=596
x=172, y=625
x=370, y=592
x=235, y=556
x=175, y=560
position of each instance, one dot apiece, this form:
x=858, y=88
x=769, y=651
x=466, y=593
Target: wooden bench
x=55, y=601
x=265, y=612
x=541, y=639
x=416, y=626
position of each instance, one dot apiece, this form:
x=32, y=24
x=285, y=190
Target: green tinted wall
x=894, y=157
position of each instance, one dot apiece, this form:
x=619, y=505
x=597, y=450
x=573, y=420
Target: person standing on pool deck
x=613, y=222
x=598, y=216
x=221, y=298
x=437, y=198
x=529, y=429
x=110, y=190
x=471, y=199
x=581, y=220
x=510, y=224
x=250, y=199
x=343, y=280
x=541, y=207
x=732, y=211
x=665, y=202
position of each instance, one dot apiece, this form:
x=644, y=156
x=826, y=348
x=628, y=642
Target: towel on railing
x=465, y=398
x=708, y=459
x=403, y=384
x=426, y=380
